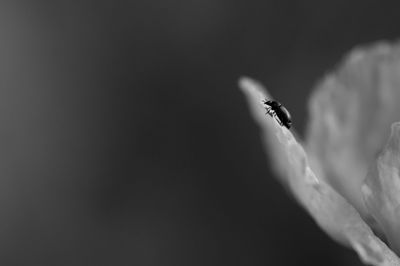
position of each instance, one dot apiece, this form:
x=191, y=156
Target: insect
x=279, y=112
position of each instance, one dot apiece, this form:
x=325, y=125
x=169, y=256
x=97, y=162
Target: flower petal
x=350, y=115
x=382, y=188
x=329, y=209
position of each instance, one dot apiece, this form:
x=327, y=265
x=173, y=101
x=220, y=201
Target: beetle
x=279, y=112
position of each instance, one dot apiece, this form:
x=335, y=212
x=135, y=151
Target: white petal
x=350, y=116
x=329, y=209
x=382, y=188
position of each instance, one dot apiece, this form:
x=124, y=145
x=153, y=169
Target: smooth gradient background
x=124, y=139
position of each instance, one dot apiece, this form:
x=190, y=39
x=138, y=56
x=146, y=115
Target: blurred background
x=124, y=139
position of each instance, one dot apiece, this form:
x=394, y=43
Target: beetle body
x=279, y=112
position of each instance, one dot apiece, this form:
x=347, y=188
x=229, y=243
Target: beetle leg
x=273, y=114
x=269, y=111
x=278, y=120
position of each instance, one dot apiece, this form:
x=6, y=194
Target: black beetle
x=279, y=112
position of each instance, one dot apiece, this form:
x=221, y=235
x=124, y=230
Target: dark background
x=125, y=140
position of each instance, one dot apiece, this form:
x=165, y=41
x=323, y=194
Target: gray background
x=124, y=139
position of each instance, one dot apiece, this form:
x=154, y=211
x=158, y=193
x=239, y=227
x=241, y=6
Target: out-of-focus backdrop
x=124, y=139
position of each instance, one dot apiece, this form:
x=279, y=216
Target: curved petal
x=382, y=188
x=350, y=116
x=329, y=209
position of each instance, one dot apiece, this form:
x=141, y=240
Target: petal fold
x=381, y=190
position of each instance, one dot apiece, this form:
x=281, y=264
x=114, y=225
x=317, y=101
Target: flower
x=346, y=173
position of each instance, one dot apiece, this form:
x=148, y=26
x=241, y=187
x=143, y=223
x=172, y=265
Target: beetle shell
x=280, y=113
x=283, y=114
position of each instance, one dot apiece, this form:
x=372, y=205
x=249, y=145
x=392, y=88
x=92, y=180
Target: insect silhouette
x=279, y=112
